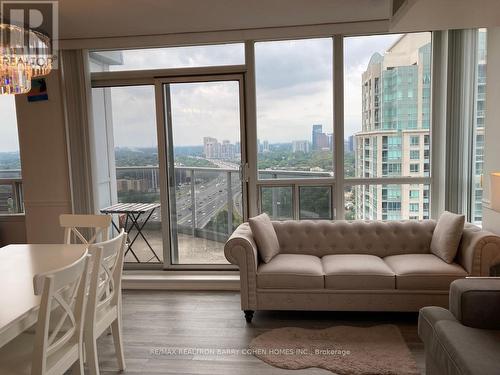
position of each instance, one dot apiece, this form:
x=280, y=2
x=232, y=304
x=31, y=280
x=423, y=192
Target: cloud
x=182, y=57
x=8, y=124
x=294, y=91
x=294, y=82
x=134, y=116
x=357, y=54
x=205, y=109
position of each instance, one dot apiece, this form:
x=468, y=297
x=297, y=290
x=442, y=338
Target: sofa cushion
x=291, y=271
x=423, y=271
x=357, y=271
x=455, y=348
x=265, y=236
x=475, y=302
x=447, y=235
x=380, y=238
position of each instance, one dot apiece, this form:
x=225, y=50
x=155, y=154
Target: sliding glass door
x=202, y=119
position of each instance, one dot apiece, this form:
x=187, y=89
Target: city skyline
x=303, y=62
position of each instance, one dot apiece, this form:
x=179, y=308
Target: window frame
x=339, y=182
x=13, y=178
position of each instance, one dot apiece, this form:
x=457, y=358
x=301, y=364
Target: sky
x=8, y=124
x=294, y=91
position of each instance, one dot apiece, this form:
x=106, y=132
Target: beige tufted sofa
x=355, y=266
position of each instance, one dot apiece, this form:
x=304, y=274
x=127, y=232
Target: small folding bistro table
x=132, y=212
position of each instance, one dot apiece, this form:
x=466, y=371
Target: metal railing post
x=229, y=204
x=16, y=197
x=275, y=203
x=193, y=204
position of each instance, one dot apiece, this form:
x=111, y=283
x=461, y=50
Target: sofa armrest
x=478, y=251
x=475, y=302
x=241, y=250
x=241, y=239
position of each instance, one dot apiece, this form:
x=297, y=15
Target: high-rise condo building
x=394, y=140
x=300, y=146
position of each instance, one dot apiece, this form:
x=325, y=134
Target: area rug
x=343, y=350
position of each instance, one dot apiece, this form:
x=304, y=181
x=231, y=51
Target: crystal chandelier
x=24, y=54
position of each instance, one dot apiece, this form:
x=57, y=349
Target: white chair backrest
x=63, y=296
x=106, y=275
x=98, y=223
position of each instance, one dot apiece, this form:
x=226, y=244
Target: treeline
x=10, y=160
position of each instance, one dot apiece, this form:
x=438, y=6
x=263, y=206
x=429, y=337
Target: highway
x=210, y=196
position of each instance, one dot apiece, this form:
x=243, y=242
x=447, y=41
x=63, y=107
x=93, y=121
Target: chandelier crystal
x=24, y=54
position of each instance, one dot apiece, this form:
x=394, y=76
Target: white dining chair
x=52, y=350
x=104, y=301
x=96, y=225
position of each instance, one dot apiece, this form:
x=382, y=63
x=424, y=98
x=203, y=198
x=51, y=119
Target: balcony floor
x=192, y=250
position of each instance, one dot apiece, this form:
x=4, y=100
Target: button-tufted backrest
x=381, y=238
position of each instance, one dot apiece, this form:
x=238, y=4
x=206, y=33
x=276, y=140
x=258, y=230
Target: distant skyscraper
x=265, y=146
x=330, y=141
x=320, y=140
x=259, y=147
x=210, y=148
x=317, y=131
x=227, y=150
x=300, y=146
x=349, y=144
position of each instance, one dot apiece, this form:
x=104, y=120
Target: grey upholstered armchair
x=465, y=339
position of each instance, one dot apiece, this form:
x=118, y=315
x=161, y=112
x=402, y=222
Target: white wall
x=491, y=219
x=44, y=162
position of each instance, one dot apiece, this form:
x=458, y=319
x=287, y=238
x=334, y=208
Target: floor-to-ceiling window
x=11, y=200
x=295, y=134
x=186, y=145
x=387, y=127
x=203, y=127
x=478, y=133
x=127, y=114
x=176, y=139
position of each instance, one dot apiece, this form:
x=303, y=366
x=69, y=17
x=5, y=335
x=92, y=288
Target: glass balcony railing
x=11, y=192
x=206, y=207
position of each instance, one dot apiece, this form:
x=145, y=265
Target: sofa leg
x=248, y=315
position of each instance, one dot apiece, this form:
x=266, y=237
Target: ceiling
x=102, y=19
x=418, y=15
x=117, y=18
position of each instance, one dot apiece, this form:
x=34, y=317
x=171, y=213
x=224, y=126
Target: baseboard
x=181, y=282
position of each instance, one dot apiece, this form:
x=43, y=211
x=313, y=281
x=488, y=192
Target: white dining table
x=18, y=265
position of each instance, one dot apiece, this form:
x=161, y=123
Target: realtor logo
x=38, y=16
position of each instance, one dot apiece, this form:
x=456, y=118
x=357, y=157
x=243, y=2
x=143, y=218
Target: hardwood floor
x=158, y=323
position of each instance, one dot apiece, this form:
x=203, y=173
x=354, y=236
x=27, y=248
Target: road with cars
x=211, y=196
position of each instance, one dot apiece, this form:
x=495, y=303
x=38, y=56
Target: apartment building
x=395, y=136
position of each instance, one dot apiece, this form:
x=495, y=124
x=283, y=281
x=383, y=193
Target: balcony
x=200, y=218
